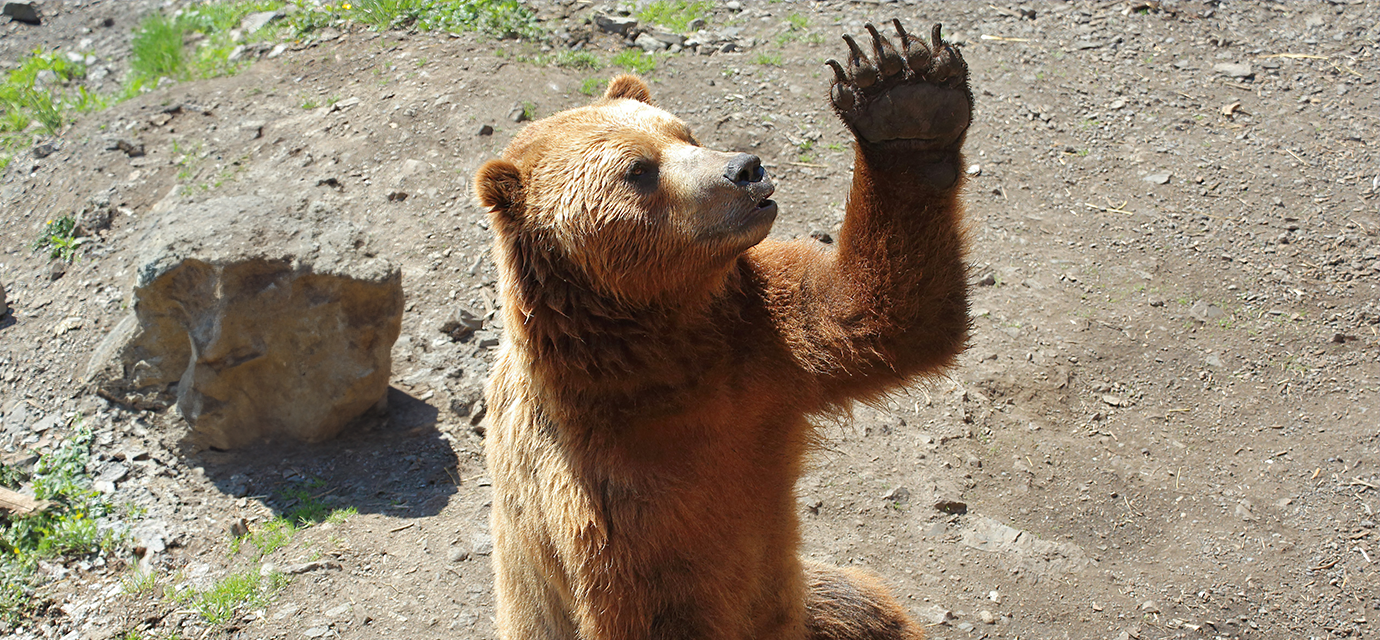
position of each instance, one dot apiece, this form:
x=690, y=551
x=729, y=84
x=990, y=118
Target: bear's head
x=618, y=197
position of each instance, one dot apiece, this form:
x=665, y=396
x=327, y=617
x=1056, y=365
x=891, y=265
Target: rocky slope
x=1165, y=425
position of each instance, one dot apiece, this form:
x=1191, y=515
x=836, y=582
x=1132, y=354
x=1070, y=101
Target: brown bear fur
x=649, y=404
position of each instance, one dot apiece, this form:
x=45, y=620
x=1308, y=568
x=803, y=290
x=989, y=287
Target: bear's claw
x=917, y=94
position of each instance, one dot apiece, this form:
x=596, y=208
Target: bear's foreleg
x=891, y=303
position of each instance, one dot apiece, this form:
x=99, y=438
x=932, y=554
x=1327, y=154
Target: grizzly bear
x=651, y=399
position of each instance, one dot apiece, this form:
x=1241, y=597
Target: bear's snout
x=744, y=168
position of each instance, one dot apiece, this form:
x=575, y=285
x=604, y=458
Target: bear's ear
x=498, y=185
x=630, y=87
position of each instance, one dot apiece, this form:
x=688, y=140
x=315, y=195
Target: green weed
x=768, y=59
x=796, y=24
x=675, y=15
x=493, y=18
x=138, y=582
x=59, y=239
x=634, y=60
x=303, y=508
x=578, y=60
x=38, y=91
x=230, y=594
x=67, y=528
x=158, y=47
x=387, y=14
x=592, y=87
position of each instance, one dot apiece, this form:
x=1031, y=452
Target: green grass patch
x=157, y=47
x=40, y=91
x=302, y=507
x=68, y=528
x=592, y=87
x=59, y=239
x=634, y=60
x=235, y=592
x=675, y=15
x=768, y=59
x=578, y=60
x=494, y=18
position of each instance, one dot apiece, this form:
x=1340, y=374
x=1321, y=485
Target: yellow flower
x=346, y=5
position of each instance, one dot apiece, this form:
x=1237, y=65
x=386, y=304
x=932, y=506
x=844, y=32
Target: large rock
x=260, y=317
x=22, y=11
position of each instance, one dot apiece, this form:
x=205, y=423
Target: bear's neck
x=580, y=344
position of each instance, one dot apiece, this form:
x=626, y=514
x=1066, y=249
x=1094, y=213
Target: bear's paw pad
x=916, y=96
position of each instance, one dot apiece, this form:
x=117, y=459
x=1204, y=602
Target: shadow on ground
x=393, y=463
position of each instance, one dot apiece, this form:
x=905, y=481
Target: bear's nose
x=744, y=168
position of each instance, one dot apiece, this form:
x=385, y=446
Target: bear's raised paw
x=914, y=98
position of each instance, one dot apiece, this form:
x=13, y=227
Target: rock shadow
x=393, y=462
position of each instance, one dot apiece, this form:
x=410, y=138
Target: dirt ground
x=1167, y=424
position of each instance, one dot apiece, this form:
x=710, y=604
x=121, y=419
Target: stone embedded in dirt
x=615, y=24
x=485, y=130
x=397, y=196
x=974, y=170
x=260, y=317
x=462, y=324
x=255, y=21
x=344, y=104
x=671, y=39
x=314, y=565
x=518, y=114
x=1150, y=606
x=899, y=495
x=1240, y=70
x=1204, y=312
x=482, y=544
x=650, y=44
x=132, y=148
x=1157, y=178
x=254, y=127
x=988, y=280
x=937, y=615
x=1029, y=552
x=951, y=507
x=97, y=213
x=1111, y=400
x=26, y=11
x=44, y=150
x=45, y=423
x=986, y=617
x=113, y=472
x=4, y=305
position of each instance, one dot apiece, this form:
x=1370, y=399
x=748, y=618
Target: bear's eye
x=643, y=174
